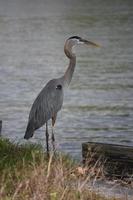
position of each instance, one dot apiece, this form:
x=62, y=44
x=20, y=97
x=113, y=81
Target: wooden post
x=117, y=159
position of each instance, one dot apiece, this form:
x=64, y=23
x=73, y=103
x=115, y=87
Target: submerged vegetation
x=27, y=173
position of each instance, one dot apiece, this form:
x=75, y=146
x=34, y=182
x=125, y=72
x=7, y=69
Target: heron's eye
x=59, y=87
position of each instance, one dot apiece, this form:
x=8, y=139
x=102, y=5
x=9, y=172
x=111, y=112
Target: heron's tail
x=29, y=131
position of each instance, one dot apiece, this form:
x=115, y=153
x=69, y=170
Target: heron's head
x=76, y=40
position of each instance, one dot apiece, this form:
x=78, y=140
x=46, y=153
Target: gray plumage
x=47, y=104
x=50, y=99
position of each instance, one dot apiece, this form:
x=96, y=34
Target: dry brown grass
x=34, y=177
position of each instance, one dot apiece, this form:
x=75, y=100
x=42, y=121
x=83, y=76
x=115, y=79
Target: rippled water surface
x=98, y=105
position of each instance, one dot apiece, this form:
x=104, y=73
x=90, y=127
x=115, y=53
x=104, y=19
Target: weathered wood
x=117, y=159
x=0, y=126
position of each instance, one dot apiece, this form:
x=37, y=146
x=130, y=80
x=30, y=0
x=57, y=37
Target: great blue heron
x=50, y=99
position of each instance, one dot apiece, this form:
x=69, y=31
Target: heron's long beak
x=90, y=43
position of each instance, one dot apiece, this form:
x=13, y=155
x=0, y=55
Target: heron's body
x=46, y=105
x=50, y=99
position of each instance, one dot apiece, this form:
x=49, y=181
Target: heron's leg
x=47, y=138
x=53, y=138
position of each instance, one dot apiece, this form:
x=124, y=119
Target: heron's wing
x=46, y=105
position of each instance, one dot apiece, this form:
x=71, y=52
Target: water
x=98, y=105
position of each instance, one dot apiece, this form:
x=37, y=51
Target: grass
x=27, y=174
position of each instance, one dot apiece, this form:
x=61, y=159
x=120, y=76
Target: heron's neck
x=69, y=72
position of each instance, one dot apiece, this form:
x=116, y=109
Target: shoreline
x=26, y=173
